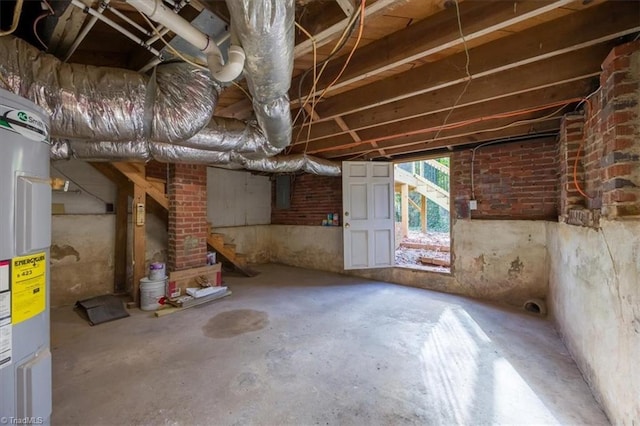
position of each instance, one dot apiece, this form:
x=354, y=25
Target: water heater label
x=28, y=286
x=5, y=314
x=26, y=124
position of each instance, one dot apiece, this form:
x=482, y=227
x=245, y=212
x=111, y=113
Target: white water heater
x=25, y=237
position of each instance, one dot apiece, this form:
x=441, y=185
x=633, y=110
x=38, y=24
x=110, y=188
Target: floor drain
x=535, y=306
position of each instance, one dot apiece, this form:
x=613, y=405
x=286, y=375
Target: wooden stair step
x=228, y=252
x=218, y=238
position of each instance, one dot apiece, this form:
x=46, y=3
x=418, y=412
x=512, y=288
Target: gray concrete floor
x=293, y=346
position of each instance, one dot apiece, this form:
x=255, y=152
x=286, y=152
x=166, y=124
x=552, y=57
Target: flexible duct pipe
x=265, y=29
x=220, y=71
x=110, y=104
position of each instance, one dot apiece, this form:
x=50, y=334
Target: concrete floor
x=293, y=346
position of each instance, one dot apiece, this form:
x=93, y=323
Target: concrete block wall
x=312, y=198
x=187, y=190
x=511, y=181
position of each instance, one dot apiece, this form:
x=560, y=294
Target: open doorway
x=423, y=217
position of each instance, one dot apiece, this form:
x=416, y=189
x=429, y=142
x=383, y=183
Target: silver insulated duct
x=108, y=114
x=265, y=29
x=98, y=103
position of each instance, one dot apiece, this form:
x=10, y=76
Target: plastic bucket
x=151, y=291
x=157, y=271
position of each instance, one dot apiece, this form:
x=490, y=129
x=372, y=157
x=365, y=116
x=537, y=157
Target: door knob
x=346, y=213
x=346, y=225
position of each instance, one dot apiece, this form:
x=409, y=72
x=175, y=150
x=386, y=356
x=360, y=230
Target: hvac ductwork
x=169, y=117
x=171, y=153
x=265, y=29
x=92, y=103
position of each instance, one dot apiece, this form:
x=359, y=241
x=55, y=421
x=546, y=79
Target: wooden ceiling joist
x=558, y=37
x=448, y=139
x=566, y=93
x=539, y=75
x=430, y=37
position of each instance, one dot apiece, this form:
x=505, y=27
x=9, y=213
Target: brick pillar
x=571, y=137
x=620, y=128
x=187, y=188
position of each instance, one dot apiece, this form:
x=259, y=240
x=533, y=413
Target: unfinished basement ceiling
x=421, y=76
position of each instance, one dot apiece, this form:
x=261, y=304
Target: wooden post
x=423, y=214
x=120, y=254
x=139, y=240
x=404, y=209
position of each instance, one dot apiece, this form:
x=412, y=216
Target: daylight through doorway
x=423, y=215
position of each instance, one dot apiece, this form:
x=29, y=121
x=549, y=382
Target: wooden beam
x=404, y=209
x=533, y=77
x=111, y=173
x=67, y=29
x=481, y=132
x=325, y=36
x=414, y=204
x=428, y=125
x=423, y=214
x=431, y=36
x=120, y=252
x=139, y=242
x=136, y=175
x=558, y=37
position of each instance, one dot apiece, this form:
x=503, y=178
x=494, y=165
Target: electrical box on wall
x=473, y=205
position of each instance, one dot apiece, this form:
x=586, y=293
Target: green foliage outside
x=437, y=217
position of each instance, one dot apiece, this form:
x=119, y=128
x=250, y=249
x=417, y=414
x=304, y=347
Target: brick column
x=187, y=188
x=571, y=137
x=620, y=128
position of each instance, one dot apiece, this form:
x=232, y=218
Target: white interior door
x=368, y=214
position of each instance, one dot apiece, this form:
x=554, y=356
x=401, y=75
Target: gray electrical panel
x=25, y=237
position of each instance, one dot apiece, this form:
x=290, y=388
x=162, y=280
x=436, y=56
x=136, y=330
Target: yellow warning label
x=28, y=286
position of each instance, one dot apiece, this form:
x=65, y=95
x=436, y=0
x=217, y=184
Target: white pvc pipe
x=130, y=21
x=115, y=26
x=85, y=30
x=220, y=71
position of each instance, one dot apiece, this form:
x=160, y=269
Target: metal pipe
x=130, y=21
x=161, y=32
x=116, y=27
x=152, y=63
x=85, y=30
x=17, y=9
x=220, y=71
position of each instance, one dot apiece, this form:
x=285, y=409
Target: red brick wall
x=156, y=169
x=609, y=141
x=312, y=198
x=511, y=181
x=187, y=188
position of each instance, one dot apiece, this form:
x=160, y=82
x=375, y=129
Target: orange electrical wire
x=575, y=163
x=451, y=126
x=353, y=50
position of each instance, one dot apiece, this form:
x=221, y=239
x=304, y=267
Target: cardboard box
x=179, y=281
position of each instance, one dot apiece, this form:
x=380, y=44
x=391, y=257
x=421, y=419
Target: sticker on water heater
x=5, y=314
x=28, y=286
x=26, y=124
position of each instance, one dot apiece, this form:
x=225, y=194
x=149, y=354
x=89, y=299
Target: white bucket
x=157, y=271
x=151, y=291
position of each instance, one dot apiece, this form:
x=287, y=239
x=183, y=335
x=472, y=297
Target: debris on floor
x=100, y=309
x=430, y=251
x=185, y=302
